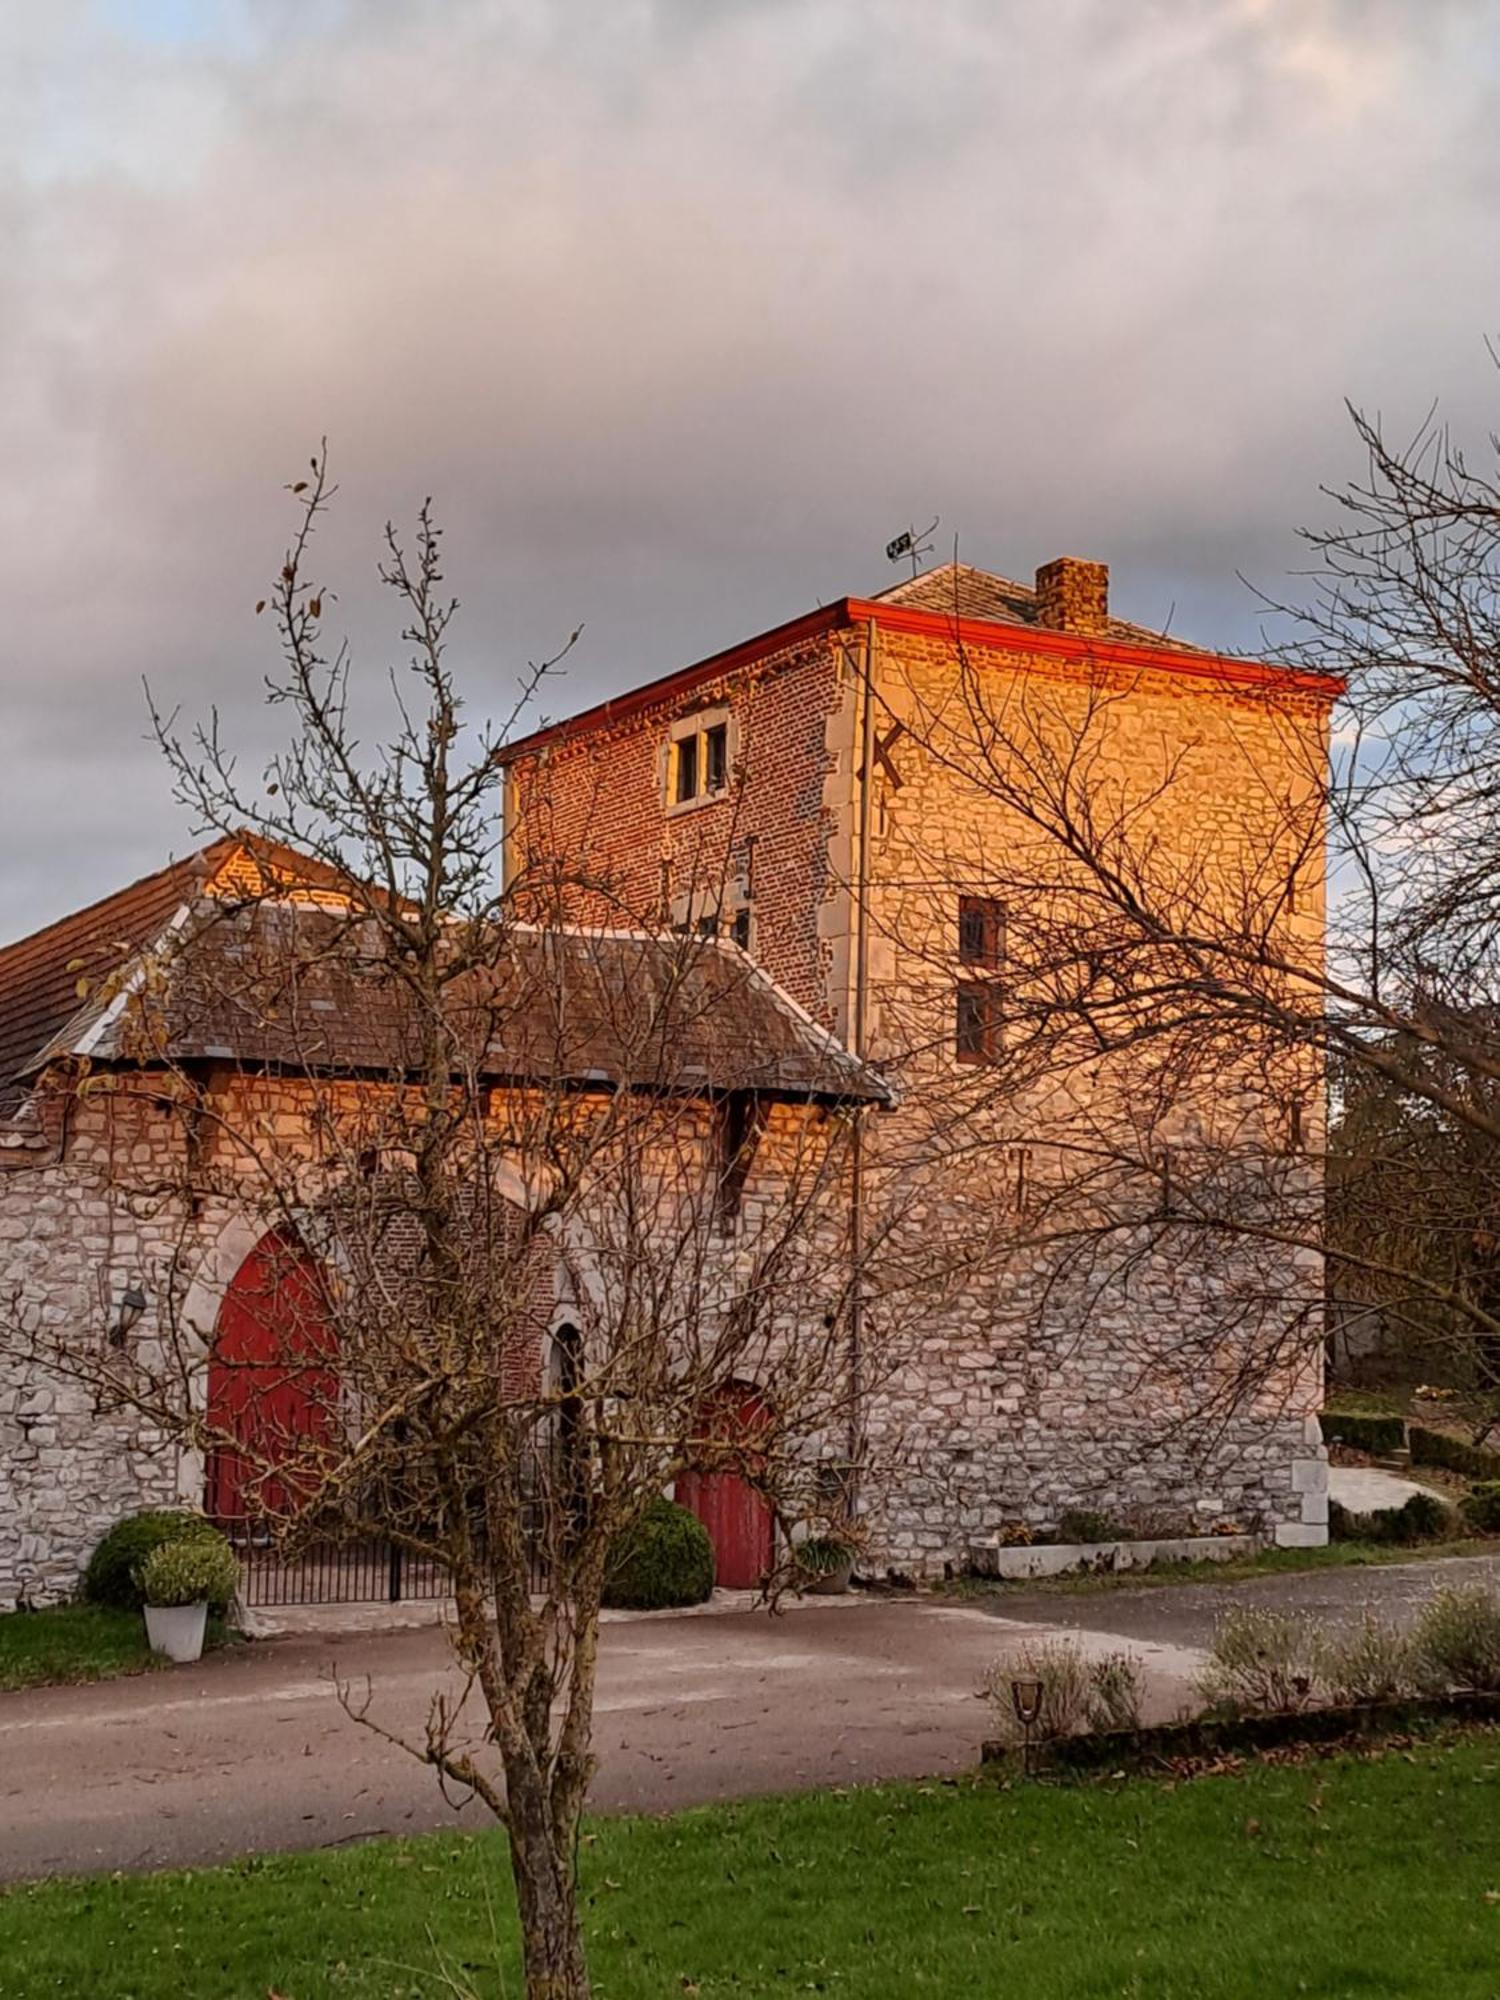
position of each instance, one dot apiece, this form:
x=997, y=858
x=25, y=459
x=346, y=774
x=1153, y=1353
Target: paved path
x=1365, y=1489
x=1183, y=1615
x=250, y=1751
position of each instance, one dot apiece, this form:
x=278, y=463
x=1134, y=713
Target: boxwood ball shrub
x=664, y=1562
x=111, y=1575
x=195, y=1571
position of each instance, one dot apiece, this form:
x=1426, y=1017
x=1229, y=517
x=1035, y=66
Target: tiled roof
x=298, y=987
x=41, y=976
x=957, y=590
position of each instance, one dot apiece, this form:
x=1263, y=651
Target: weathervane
x=912, y=544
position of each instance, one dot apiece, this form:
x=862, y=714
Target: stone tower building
x=832, y=795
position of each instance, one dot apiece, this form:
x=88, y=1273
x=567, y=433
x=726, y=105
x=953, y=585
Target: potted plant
x=826, y=1563
x=178, y=1581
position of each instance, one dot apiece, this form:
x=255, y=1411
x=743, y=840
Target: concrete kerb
x=284, y=1621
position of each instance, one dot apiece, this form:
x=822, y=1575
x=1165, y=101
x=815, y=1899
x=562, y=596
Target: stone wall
x=1137, y=1371
x=72, y=1240
x=134, y=1184
x=1192, y=1392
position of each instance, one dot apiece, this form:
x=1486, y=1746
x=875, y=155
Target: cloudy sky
x=680, y=309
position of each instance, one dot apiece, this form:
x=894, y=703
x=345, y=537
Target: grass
x=1342, y=1876
x=1268, y=1562
x=75, y=1642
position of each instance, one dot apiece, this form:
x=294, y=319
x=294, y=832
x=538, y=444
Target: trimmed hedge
x=1470, y=1461
x=110, y=1577
x=1422, y=1518
x=1377, y=1435
x=1482, y=1507
x=664, y=1562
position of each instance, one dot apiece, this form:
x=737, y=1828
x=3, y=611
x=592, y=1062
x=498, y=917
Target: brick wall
x=598, y=802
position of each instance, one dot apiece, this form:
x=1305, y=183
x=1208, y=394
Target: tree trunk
x=547, y=1903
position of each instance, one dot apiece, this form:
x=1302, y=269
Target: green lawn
x=72, y=1642
x=77, y=1642
x=1338, y=1877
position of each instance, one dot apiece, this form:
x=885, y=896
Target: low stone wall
x=1058, y=1558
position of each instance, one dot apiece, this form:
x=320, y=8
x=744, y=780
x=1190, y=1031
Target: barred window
x=981, y=931
x=978, y=1027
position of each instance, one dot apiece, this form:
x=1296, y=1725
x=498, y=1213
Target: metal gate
x=367, y=1571
x=360, y=1570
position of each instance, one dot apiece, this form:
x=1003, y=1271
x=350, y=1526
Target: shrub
x=1376, y=1435
x=1058, y=1664
x=1087, y=1524
x=1103, y=1693
x=193, y=1571
x=1482, y=1507
x=1261, y=1662
x=1456, y=1639
x=1115, y=1692
x=1375, y=1663
x=110, y=1576
x=821, y=1555
x=1470, y=1461
x=663, y=1562
x=1421, y=1518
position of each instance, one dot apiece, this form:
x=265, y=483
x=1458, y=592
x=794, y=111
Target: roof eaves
x=1102, y=649
x=880, y=1090
x=669, y=687
x=84, y=1033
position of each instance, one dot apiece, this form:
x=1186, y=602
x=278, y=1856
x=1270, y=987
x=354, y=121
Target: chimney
x=1072, y=595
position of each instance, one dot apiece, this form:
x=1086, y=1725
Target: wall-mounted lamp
x=132, y=1305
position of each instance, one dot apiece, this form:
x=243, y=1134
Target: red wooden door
x=267, y=1393
x=736, y=1515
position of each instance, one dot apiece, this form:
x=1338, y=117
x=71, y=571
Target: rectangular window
x=740, y=927
x=716, y=757
x=739, y=1120
x=687, y=769
x=698, y=764
x=978, y=1026
x=981, y=932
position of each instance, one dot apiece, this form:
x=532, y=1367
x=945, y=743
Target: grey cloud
x=680, y=310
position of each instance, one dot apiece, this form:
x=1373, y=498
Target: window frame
x=984, y=917
x=707, y=738
x=985, y=1045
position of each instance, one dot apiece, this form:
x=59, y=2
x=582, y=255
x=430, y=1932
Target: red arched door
x=266, y=1403
x=736, y=1515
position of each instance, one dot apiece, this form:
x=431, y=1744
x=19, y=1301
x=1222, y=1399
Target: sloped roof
x=42, y=977
x=299, y=987
x=977, y=597
x=957, y=590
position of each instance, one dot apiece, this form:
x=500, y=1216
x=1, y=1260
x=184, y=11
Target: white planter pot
x=176, y=1629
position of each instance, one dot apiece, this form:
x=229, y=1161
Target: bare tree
x=535, y=1205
